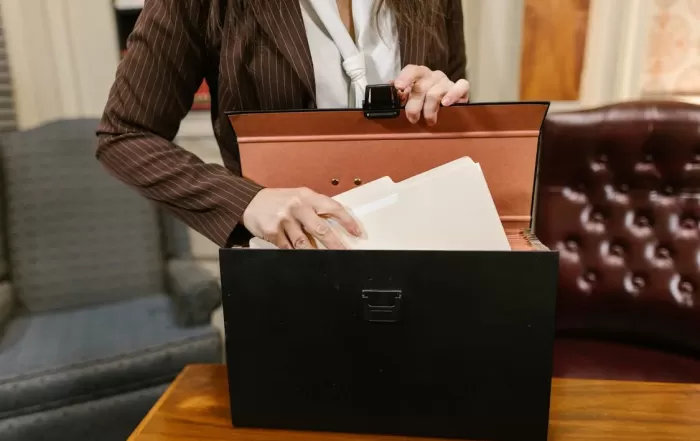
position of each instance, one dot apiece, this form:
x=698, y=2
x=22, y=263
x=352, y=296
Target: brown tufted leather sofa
x=619, y=198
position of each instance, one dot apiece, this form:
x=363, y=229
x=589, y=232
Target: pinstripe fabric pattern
x=261, y=62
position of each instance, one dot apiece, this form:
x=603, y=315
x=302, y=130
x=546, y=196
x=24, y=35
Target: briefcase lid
x=331, y=151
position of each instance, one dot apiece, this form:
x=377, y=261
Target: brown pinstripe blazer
x=260, y=61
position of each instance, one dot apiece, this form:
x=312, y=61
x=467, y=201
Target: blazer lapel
x=283, y=22
x=413, y=45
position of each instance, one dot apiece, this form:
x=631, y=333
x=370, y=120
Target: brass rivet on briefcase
x=335, y=181
x=358, y=181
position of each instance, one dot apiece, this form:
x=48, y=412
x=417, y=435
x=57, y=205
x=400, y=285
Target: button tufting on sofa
x=689, y=223
x=617, y=250
x=663, y=253
x=572, y=245
x=638, y=282
x=619, y=197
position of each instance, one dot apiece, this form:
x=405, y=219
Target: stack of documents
x=447, y=208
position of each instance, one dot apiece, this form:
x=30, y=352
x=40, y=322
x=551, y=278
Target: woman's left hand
x=424, y=90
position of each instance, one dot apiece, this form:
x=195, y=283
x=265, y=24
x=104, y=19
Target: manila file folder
x=423, y=212
x=439, y=328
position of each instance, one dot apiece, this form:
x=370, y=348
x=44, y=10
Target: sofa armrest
x=194, y=291
x=7, y=303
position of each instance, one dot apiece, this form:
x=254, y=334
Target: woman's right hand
x=292, y=217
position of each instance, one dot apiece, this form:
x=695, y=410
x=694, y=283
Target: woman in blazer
x=264, y=55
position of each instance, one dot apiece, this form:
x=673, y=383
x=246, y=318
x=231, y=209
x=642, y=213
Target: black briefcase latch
x=381, y=101
x=382, y=306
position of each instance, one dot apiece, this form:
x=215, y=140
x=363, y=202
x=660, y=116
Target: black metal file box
x=453, y=344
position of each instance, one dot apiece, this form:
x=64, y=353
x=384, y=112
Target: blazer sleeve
x=457, y=61
x=153, y=91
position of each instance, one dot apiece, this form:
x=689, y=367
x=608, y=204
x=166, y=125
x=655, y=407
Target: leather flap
x=330, y=151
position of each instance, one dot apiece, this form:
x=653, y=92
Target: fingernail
x=447, y=101
x=399, y=85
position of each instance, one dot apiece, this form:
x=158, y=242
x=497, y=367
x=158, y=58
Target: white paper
x=447, y=208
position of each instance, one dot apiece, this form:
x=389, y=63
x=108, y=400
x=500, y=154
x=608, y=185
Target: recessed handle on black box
x=381, y=305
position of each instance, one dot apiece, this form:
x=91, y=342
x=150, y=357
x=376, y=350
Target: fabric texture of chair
x=55, y=359
x=7, y=300
x=104, y=419
x=74, y=222
x=7, y=304
x=194, y=292
x=619, y=198
x=99, y=331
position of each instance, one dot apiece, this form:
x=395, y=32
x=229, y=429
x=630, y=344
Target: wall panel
x=673, y=58
x=553, y=50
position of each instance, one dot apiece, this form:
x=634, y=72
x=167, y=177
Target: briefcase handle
x=381, y=102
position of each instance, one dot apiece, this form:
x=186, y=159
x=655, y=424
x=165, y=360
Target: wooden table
x=195, y=407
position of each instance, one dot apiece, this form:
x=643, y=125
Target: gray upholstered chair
x=94, y=337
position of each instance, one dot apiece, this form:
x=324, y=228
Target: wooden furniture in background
x=554, y=45
x=196, y=406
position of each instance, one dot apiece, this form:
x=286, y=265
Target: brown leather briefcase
x=463, y=348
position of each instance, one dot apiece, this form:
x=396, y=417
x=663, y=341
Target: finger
x=403, y=95
x=414, y=106
x=329, y=208
x=409, y=75
x=319, y=228
x=458, y=93
x=416, y=98
x=278, y=238
x=433, y=98
x=298, y=239
x=416, y=102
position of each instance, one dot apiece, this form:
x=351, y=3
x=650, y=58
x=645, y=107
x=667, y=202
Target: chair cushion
x=111, y=418
x=581, y=358
x=62, y=358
